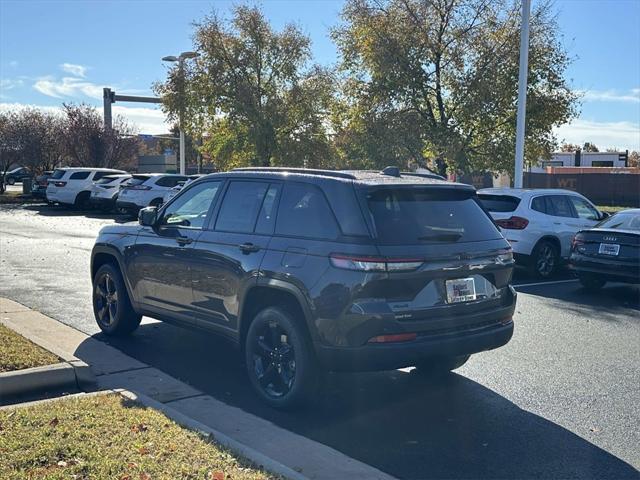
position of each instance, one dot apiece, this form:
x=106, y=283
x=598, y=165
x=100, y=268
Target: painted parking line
x=557, y=282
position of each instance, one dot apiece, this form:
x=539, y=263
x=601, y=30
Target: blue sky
x=54, y=51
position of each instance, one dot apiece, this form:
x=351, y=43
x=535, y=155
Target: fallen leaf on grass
x=145, y=476
x=215, y=475
x=139, y=428
x=54, y=422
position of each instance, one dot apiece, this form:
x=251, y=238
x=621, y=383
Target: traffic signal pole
x=522, y=93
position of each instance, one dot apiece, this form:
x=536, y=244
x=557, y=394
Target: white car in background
x=73, y=185
x=146, y=189
x=104, y=192
x=174, y=191
x=540, y=224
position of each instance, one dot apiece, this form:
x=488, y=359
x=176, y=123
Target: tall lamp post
x=180, y=59
x=522, y=93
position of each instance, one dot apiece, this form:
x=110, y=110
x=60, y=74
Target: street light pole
x=522, y=93
x=180, y=59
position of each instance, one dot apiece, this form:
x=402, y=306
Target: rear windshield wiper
x=442, y=237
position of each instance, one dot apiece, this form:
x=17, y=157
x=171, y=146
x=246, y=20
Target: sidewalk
x=302, y=457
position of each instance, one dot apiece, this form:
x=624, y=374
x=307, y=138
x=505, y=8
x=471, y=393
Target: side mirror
x=147, y=216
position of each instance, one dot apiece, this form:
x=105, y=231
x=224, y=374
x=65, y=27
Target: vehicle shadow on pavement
x=612, y=303
x=397, y=421
x=46, y=210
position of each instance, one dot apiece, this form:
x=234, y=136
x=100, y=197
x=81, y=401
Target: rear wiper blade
x=444, y=237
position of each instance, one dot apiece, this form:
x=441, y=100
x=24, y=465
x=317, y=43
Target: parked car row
x=107, y=189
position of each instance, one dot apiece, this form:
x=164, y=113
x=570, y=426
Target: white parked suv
x=72, y=185
x=105, y=191
x=540, y=224
x=146, y=189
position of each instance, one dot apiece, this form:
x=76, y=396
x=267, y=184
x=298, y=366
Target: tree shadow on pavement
x=47, y=210
x=397, y=421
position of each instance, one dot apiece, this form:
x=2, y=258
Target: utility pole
x=522, y=93
x=180, y=59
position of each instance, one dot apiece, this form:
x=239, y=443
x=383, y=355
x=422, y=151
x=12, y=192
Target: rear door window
x=499, y=203
x=560, y=206
x=240, y=207
x=304, y=212
x=79, y=176
x=408, y=216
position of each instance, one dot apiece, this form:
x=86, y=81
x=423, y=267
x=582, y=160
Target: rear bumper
x=128, y=206
x=102, y=202
x=373, y=357
x=628, y=272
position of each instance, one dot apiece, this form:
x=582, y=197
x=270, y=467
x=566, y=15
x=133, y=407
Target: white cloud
x=145, y=120
x=631, y=96
x=74, y=69
x=13, y=63
x=67, y=87
x=10, y=83
x=620, y=135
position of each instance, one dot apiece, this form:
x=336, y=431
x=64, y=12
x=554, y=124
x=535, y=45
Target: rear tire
x=439, y=366
x=591, y=283
x=111, y=304
x=545, y=259
x=82, y=201
x=280, y=360
x=11, y=181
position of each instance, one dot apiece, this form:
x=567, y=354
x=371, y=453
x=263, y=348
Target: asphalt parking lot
x=559, y=401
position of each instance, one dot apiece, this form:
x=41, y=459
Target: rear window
x=499, y=203
x=105, y=180
x=58, y=173
x=622, y=221
x=137, y=180
x=407, y=216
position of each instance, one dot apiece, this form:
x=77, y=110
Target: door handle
x=248, y=247
x=184, y=240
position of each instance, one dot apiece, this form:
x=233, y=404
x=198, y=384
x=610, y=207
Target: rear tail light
x=374, y=264
x=398, y=337
x=505, y=257
x=139, y=187
x=59, y=184
x=513, y=223
x=108, y=186
x=576, y=242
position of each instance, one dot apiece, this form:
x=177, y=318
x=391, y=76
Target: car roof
x=525, y=192
x=633, y=211
x=91, y=169
x=358, y=177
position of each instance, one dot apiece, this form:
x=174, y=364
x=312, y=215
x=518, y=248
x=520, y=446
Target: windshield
x=422, y=215
x=136, y=180
x=622, y=221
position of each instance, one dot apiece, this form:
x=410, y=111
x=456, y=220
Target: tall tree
x=251, y=93
x=88, y=143
x=448, y=70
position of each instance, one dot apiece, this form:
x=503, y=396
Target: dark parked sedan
x=39, y=187
x=610, y=252
x=16, y=175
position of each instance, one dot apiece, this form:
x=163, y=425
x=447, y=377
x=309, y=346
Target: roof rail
x=304, y=171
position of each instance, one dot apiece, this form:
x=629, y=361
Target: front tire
x=111, y=304
x=545, y=259
x=11, y=181
x=439, y=366
x=280, y=361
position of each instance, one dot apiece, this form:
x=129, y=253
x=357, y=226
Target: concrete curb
x=74, y=374
x=236, y=447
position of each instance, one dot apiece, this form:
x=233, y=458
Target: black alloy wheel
x=279, y=358
x=111, y=305
x=545, y=259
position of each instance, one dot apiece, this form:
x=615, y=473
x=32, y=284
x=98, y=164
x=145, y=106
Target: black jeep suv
x=310, y=270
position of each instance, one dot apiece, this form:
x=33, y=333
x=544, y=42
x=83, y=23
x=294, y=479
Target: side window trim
x=276, y=206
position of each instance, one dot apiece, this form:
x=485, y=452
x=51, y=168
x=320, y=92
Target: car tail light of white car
x=138, y=187
x=513, y=223
x=59, y=184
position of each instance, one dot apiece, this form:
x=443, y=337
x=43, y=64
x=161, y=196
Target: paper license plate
x=461, y=290
x=609, y=249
